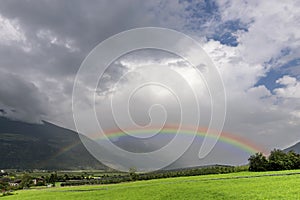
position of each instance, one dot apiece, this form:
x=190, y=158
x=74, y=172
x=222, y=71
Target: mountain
x=295, y=147
x=42, y=146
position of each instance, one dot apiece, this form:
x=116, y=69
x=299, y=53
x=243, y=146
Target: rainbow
x=227, y=138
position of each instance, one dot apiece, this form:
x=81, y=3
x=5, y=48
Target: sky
x=255, y=46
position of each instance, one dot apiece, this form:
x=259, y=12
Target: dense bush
x=277, y=160
x=258, y=162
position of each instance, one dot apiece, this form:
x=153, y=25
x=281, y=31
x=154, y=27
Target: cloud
x=264, y=116
x=46, y=42
x=272, y=27
x=21, y=99
x=291, y=87
x=9, y=31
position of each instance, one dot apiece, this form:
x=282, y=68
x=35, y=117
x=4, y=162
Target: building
x=15, y=183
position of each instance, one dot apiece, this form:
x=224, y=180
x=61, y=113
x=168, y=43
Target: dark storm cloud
x=85, y=22
x=21, y=99
x=58, y=35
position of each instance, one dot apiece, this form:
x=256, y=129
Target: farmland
x=240, y=185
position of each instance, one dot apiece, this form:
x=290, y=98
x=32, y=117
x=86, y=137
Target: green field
x=241, y=185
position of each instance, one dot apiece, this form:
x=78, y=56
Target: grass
x=241, y=185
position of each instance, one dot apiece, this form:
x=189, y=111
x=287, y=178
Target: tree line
x=277, y=160
x=133, y=176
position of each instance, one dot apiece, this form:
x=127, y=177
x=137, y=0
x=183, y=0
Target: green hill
x=42, y=146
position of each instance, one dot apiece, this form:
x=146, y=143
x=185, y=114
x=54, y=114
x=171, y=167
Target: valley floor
x=241, y=185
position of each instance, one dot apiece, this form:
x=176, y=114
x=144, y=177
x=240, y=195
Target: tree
x=294, y=159
x=66, y=177
x=279, y=160
x=132, y=173
x=26, y=181
x=258, y=162
x=52, y=179
x=3, y=186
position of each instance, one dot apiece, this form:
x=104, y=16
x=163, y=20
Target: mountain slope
x=295, y=147
x=42, y=146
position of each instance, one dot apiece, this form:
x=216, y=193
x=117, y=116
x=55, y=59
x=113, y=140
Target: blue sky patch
x=269, y=81
x=205, y=16
x=290, y=68
x=225, y=32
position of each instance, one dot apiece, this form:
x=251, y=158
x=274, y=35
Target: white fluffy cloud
x=267, y=117
x=253, y=111
x=290, y=89
x=273, y=26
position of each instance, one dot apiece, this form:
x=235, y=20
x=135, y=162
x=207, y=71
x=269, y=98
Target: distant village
x=12, y=181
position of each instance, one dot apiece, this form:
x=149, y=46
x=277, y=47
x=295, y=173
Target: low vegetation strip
x=180, y=181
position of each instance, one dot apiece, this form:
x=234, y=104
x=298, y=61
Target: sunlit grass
x=241, y=185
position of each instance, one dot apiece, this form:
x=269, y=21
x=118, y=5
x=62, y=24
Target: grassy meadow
x=241, y=185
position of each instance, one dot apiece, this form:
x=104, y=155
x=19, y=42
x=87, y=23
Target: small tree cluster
x=277, y=160
x=132, y=173
x=26, y=181
x=4, y=186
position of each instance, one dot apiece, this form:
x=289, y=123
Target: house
x=15, y=183
x=3, y=173
x=38, y=181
